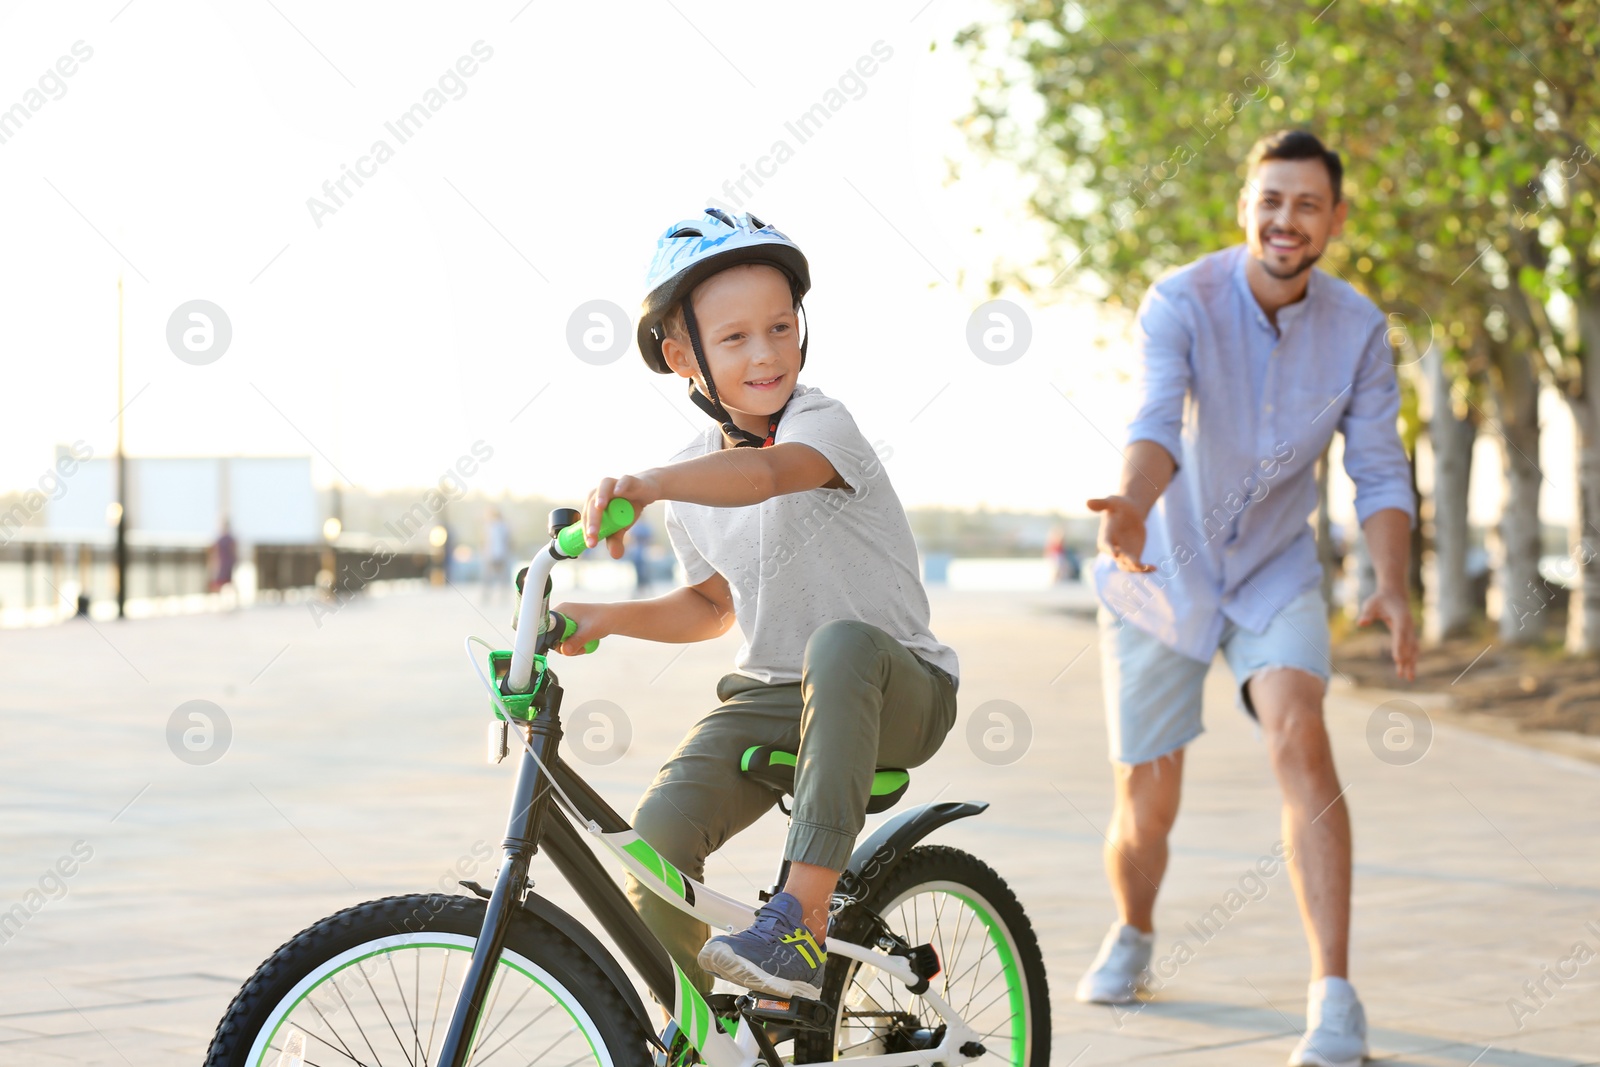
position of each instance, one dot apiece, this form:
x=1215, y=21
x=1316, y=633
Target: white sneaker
x=1120, y=971
x=1336, y=1027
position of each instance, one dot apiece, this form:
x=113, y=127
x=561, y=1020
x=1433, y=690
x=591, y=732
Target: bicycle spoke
x=556, y=1042
x=513, y=1037
x=359, y=1028
x=977, y=972
x=970, y=917
x=496, y=984
x=342, y=1052
x=496, y=1027
x=438, y=997
x=351, y=1056
x=990, y=951
x=996, y=1030
x=385, y=1013
x=581, y=1058
x=996, y=1000
x=416, y=989
x=400, y=991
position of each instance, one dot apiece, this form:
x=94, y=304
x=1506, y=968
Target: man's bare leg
x=1316, y=823
x=1146, y=807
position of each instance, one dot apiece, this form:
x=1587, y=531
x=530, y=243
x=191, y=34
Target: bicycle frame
x=534, y=821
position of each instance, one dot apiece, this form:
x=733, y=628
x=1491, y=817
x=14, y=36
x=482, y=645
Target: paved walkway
x=354, y=769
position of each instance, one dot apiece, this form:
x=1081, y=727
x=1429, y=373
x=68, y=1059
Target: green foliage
x=1463, y=140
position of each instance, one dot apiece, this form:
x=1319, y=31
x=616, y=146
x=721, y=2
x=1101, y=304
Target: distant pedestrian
x=1064, y=563
x=224, y=557
x=639, y=550
x=495, y=573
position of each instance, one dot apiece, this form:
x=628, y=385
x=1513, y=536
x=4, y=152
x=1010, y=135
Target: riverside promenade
x=347, y=763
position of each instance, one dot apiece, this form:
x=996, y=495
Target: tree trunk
x=1448, y=613
x=1419, y=546
x=1522, y=593
x=1583, y=538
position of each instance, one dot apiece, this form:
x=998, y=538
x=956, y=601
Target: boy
x=785, y=522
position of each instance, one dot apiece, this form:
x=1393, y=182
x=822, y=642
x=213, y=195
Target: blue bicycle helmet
x=687, y=254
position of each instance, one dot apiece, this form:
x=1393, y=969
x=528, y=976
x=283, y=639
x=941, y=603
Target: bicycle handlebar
x=569, y=626
x=617, y=516
x=531, y=622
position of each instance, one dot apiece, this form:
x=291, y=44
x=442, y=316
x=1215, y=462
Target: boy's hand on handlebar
x=1121, y=532
x=640, y=490
x=591, y=626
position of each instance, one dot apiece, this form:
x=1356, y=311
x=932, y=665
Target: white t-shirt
x=799, y=560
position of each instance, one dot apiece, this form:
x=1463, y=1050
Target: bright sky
x=430, y=309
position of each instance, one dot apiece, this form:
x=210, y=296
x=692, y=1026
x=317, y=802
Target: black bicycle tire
x=940, y=863
x=528, y=935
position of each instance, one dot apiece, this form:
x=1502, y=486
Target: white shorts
x=1153, y=694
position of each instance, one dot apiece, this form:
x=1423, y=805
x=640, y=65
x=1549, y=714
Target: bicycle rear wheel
x=992, y=971
x=375, y=985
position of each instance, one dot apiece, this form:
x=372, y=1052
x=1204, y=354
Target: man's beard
x=1306, y=263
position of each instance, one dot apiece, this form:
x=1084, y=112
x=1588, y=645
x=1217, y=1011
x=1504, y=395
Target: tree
x=1149, y=109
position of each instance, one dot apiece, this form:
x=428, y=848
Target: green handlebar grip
x=572, y=628
x=618, y=516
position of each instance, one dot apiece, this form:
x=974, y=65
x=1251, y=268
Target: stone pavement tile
x=11, y=1035
x=1556, y=1043
x=1470, y=1054
x=1091, y=1048
x=1263, y=1052
x=52, y=1022
x=46, y=1051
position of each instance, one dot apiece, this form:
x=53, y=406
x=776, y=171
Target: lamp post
x=122, y=480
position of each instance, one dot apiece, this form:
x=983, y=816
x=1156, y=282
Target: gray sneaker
x=1119, y=972
x=1336, y=1028
x=777, y=955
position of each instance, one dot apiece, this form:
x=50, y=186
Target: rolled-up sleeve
x=1165, y=373
x=696, y=569
x=1374, y=457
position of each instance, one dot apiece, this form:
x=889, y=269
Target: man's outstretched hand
x=1392, y=608
x=1121, y=532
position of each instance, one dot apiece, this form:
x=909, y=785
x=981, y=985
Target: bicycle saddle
x=774, y=768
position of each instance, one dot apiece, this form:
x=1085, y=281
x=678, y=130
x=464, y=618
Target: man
x=1251, y=360
x=495, y=575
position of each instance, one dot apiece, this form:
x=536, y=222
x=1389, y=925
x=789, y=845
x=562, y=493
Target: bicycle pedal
x=795, y=1013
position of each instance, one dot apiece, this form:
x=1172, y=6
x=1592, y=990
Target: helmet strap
x=711, y=404
x=805, y=338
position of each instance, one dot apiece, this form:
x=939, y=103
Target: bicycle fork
x=531, y=796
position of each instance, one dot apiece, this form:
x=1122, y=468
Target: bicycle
x=435, y=980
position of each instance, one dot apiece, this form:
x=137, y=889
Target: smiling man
x=1251, y=360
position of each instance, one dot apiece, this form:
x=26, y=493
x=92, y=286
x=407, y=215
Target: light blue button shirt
x=1246, y=410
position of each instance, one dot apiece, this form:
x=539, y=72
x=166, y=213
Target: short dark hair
x=1297, y=144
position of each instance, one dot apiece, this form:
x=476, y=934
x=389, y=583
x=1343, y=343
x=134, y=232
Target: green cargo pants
x=864, y=701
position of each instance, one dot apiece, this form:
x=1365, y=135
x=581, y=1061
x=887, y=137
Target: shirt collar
x=1286, y=314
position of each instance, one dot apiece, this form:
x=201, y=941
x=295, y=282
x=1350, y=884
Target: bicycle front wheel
x=375, y=985
x=991, y=972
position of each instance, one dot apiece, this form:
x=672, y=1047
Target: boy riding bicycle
x=785, y=522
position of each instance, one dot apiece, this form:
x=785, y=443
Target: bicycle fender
x=877, y=855
x=591, y=947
